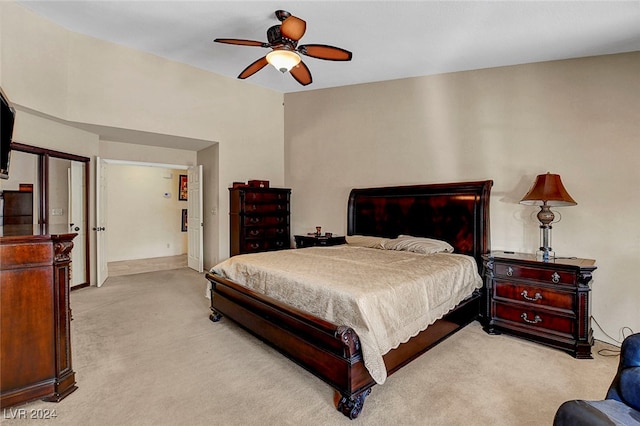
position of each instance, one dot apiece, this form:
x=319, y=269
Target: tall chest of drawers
x=259, y=219
x=545, y=302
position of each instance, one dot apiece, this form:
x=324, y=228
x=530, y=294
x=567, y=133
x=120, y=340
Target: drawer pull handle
x=535, y=319
x=555, y=278
x=525, y=295
x=509, y=271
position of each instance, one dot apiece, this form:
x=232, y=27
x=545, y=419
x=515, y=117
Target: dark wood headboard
x=454, y=212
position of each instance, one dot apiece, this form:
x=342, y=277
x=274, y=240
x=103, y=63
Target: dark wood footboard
x=329, y=351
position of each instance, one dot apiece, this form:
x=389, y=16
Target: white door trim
x=102, y=272
x=195, y=220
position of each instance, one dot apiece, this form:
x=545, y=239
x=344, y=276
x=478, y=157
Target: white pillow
x=366, y=241
x=418, y=245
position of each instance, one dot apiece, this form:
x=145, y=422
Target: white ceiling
x=389, y=39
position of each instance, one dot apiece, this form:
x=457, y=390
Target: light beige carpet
x=145, y=353
x=137, y=266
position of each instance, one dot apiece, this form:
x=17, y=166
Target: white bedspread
x=386, y=296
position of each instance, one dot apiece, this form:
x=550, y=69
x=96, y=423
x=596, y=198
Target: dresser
x=544, y=302
x=35, y=318
x=259, y=219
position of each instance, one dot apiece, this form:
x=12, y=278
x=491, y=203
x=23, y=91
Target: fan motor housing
x=275, y=38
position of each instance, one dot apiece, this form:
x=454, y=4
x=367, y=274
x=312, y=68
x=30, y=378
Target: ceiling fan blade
x=301, y=73
x=293, y=28
x=253, y=68
x=241, y=42
x=322, y=51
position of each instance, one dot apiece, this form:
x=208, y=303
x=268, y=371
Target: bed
x=457, y=213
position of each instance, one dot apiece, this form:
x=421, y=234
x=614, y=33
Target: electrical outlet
x=56, y=212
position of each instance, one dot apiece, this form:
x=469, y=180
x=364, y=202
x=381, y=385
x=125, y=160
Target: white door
x=77, y=222
x=194, y=218
x=101, y=221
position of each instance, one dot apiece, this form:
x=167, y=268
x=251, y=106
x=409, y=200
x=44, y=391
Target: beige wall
x=24, y=169
x=151, y=225
x=62, y=82
x=577, y=118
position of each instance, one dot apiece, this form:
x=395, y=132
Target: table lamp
x=547, y=191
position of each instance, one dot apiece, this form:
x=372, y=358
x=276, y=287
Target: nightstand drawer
x=533, y=318
x=533, y=295
x=545, y=275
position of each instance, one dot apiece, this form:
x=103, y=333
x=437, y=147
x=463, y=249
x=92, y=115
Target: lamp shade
x=283, y=60
x=548, y=189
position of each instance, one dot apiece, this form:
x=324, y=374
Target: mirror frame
x=43, y=180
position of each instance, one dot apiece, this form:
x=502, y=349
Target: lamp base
x=543, y=255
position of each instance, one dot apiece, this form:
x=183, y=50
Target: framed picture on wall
x=184, y=220
x=183, y=190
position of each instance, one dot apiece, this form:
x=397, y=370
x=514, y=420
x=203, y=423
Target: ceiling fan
x=285, y=54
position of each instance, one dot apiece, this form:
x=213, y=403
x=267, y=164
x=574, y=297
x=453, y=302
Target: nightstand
x=545, y=302
x=314, y=240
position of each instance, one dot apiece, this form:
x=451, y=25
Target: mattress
x=386, y=296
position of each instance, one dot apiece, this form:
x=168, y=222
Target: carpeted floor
x=137, y=266
x=145, y=353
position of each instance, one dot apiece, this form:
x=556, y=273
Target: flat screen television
x=7, y=120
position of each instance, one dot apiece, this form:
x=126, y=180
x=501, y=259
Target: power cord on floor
x=612, y=352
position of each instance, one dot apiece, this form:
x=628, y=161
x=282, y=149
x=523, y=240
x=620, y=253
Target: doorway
x=141, y=216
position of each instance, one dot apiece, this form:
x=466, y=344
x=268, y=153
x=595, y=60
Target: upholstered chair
x=622, y=403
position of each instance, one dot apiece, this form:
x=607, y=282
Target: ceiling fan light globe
x=283, y=60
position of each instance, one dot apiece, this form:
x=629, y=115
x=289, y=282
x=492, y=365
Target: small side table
x=545, y=302
x=313, y=240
